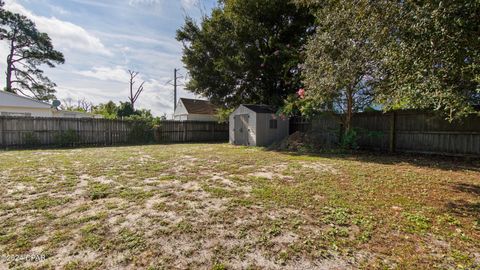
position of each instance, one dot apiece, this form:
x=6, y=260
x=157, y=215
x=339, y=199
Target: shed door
x=241, y=129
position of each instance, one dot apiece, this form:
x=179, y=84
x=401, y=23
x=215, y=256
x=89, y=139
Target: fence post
x=3, y=133
x=213, y=131
x=392, y=132
x=184, y=124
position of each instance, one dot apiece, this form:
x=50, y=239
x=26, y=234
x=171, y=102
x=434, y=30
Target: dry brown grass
x=224, y=207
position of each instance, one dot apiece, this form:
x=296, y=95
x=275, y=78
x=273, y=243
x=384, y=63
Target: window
x=273, y=123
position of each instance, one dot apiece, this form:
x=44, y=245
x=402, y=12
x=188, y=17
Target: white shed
x=256, y=125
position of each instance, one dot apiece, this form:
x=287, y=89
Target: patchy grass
x=216, y=206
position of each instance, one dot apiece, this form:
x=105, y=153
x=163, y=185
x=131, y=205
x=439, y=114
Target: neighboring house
x=15, y=105
x=256, y=125
x=195, y=110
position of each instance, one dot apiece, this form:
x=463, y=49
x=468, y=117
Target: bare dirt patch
x=206, y=206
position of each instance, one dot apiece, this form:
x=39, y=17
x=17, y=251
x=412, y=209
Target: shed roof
x=260, y=108
x=197, y=106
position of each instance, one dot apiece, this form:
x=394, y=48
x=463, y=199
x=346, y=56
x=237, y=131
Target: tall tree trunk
x=8, y=86
x=132, y=102
x=349, y=114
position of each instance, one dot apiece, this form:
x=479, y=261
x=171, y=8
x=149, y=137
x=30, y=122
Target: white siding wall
x=202, y=117
x=180, y=110
x=195, y=117
x=182, y=117
x=35, y=112
x=69, y=114
x=252, y=122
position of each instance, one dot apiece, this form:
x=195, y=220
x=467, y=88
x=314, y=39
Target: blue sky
x=102, y=39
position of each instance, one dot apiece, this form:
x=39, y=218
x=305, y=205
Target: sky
x=102, y=39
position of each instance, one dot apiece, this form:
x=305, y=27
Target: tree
x=432, y=58
x=82, y=105
x=134, y=94
x=247, y=51
x=341, y=68
x=125, y=109
x=108, y=110
x=28, y=49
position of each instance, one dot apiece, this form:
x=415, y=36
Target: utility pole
x=175, y=85
x=175, y=89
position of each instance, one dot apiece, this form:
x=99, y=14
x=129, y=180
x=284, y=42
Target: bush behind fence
x=402, y=131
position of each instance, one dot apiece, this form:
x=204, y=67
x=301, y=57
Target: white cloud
x=167, y=43
x=144, y=2
x=188, y=4
x=117, y=74
x=65, y=35
x=148, y=45
x=59, y=10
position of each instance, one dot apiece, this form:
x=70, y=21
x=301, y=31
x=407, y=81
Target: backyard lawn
x=216, y=206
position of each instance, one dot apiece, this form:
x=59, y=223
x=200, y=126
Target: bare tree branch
x=134, y=94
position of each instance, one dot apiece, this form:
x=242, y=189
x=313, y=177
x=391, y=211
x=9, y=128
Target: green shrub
x=141, y=132
x=67, y=138
x=349, y=139
x=143, y=126
x=31, y=139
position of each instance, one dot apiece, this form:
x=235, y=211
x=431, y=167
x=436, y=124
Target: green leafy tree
x=340, y=67
x=108, y=110
x=247, y=51
x=125, y=109
x=432, y=58
x=28, y=50
x=223, y=114
x=400, y=54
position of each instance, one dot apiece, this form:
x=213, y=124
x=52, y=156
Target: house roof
x=13, y=100
x=260, y=108
x=197, y=106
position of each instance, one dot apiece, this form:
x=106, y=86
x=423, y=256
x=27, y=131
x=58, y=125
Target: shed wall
x=266, y=135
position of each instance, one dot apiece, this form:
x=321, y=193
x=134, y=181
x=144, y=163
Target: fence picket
x=14, y=131
x=403, y=131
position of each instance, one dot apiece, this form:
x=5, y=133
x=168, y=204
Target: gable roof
x=197, y=106
x=8, y=99
x=260, y=108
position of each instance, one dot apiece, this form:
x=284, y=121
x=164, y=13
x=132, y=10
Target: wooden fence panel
x=430, y=133
x=373, y=130
x=42, y=131
x=191, y=131
x=17, y=132
x=403, y=131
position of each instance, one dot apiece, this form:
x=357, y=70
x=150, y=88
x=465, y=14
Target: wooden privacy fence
x=402, y=131
x=191, y=131
x=43, y=131
x=18, y=132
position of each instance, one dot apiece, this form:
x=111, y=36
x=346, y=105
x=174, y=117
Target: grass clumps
x=98, y=191
x=417, y=223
